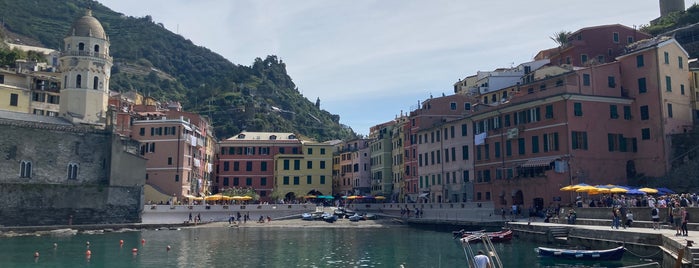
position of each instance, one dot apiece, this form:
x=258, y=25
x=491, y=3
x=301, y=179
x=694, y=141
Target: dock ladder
x=468, y=244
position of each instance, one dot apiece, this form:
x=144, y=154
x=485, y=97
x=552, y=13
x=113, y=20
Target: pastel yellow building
x=14, y=91
x=307, y=173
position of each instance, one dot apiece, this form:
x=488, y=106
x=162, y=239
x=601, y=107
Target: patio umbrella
x=603, y=190
x=247, y=197
x=380, y=198
x=585, y=189
x=581, y=185
x=568, y=188
x=648, y=190
x=310, y=197
x=215, y=197
x=634, y=191
x=664, y=190
x=617, y=190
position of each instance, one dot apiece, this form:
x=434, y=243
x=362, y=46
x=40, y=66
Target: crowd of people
x=674, y=204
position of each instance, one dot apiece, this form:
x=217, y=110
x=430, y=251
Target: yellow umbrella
x=237, y=197
x=602, y=190
x=380, y=198
x=585, y=189
x=310, y=196
x=247, y=197
x=226, y=198
x=215, y=197
x=189, y=196
x=568, y=188
x=617, y=190
x=648, y=190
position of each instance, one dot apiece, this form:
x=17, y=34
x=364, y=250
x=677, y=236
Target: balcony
x=86, y=53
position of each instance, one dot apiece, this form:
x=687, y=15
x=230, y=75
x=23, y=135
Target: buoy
x=55, y=245
x=87, y=243
x=168, y=247
x=134, y=250
x=143, y=241
x=88, y=253
x=121, y=242
x=36, y=254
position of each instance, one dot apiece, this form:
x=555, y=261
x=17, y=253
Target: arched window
x=78, y=81
x=72, y=171
x=97, y=48
x=95, y=80
x=81, y=46
x=25, y=169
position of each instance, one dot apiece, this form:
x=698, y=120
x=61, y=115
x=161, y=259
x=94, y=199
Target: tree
x=561, y=38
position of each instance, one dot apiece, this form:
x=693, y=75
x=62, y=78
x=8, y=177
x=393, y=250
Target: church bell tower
x=86, y=67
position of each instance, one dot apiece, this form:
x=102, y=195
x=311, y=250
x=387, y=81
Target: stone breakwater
x=284, y=223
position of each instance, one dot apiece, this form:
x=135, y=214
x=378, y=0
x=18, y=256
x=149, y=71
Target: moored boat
x=495, y=237
x=613, y=254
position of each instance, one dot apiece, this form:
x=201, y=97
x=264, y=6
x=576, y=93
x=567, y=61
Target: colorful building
x=305, y=174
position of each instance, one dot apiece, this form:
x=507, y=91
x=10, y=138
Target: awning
x=540, y=162
x=424, y=195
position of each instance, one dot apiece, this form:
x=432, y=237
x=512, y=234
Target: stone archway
x=290, y=196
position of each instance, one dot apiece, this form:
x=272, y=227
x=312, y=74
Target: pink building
x=247, y=160
x=602, y=124
x=593, y=45
x=354, y=171
x=432, y=112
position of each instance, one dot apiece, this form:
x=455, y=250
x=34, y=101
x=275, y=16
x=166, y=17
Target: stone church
x=71, y=168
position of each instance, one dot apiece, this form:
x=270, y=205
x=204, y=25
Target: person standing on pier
x=615, y=217
x=685, y=219
x=655, y=216
x=676, y=218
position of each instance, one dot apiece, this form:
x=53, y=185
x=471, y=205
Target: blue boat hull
x=614, y=254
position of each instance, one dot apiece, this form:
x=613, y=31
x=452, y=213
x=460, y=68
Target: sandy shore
x=298, y=223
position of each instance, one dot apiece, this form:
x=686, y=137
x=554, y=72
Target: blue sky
x=369, y=60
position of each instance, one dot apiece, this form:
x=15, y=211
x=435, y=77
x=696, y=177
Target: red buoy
x=88, y=253
x=121, y=242
x=134, y=250
x=143, y=241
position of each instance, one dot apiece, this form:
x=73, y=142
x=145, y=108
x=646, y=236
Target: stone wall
x=56, y=204
x=108, y=187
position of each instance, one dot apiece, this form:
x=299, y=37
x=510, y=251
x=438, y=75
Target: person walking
x=655, y=217
x=481, y=260
x=615, y=217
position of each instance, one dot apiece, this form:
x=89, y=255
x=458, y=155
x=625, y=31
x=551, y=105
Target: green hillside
x=156, y=62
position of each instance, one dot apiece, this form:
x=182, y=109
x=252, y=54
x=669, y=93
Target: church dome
x=87, y=26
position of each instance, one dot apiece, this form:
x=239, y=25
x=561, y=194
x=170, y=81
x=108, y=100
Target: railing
x=86, y=53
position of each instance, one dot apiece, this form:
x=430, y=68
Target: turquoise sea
x=264, y=247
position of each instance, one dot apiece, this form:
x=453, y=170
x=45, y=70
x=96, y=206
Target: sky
x=371, y=60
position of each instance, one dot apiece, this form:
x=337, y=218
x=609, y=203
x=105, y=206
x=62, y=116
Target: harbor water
x=265, y=247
